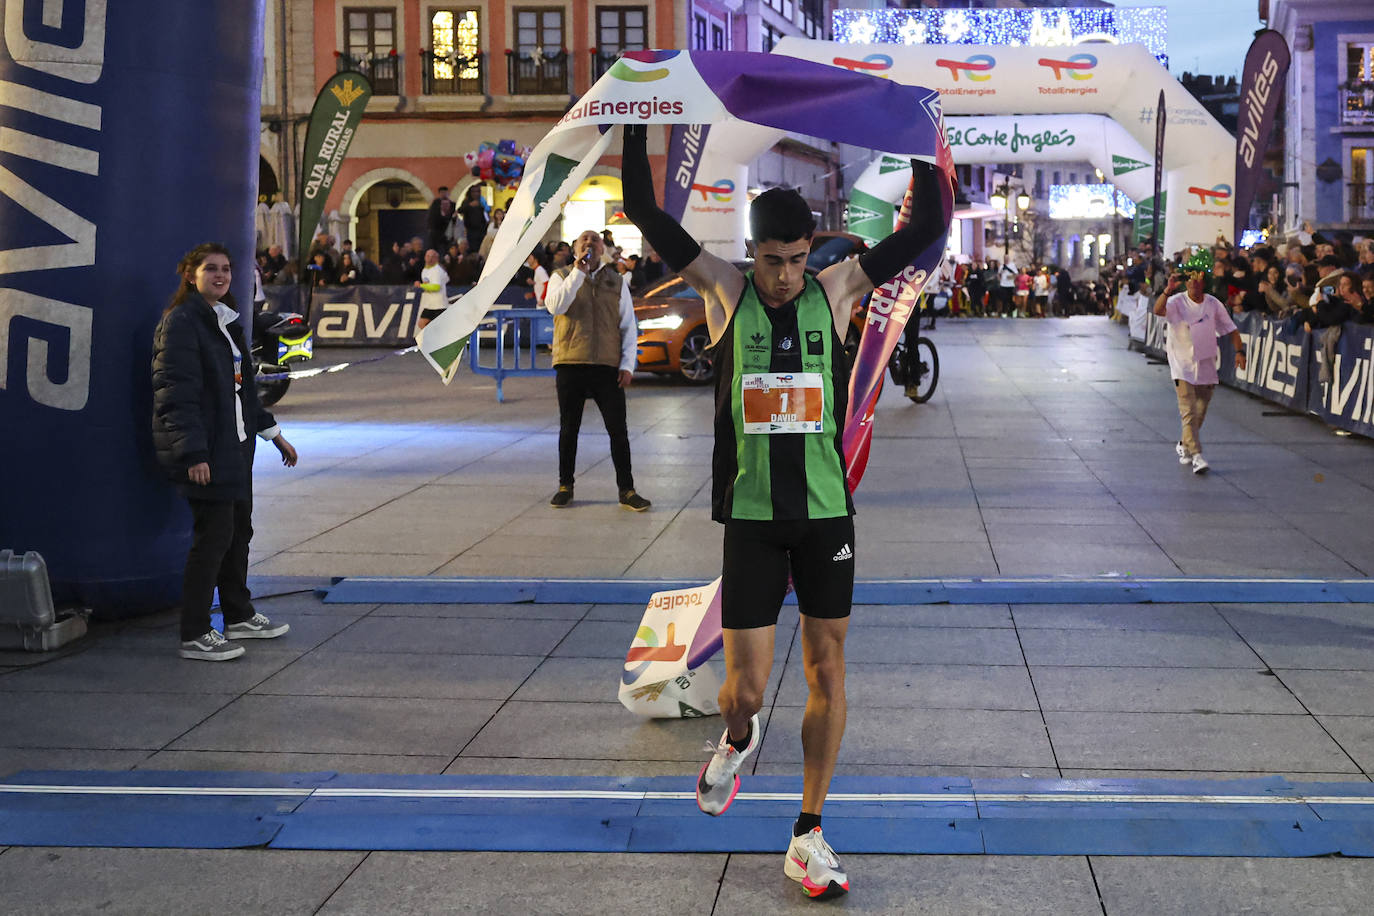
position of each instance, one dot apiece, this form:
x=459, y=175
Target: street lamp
x=1001, y=199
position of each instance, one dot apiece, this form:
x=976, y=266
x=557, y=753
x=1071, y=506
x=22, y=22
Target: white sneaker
x=719, y=781
x=211, y=647
x=812, y=862
x=1182, y=454
x=1200, y=465
x=256, y=627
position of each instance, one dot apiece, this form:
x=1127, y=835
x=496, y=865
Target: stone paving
x=1046, y=451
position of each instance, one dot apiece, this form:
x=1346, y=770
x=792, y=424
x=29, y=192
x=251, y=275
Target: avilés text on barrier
x=1283, y=363
x=364, y=316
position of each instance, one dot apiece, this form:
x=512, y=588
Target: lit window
x=455, y=34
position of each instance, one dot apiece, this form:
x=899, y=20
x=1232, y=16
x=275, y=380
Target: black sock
x=805, y=824
x=743, y=743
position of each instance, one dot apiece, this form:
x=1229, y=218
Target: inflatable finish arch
x=1120, y=81
x=130, y=135
x=1099, y=140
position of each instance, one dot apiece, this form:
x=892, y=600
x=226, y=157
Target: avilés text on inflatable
x=78, y=66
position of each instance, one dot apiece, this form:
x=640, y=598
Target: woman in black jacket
x=205, y=415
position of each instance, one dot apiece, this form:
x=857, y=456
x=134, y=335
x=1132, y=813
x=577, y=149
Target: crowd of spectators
x=992, y=289
x=1311, y=280
x=331, y=263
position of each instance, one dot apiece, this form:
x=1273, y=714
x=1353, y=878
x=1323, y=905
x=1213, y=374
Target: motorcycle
x=280, y=339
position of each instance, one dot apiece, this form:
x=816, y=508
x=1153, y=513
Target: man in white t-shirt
x=433, y=286
x=1195, y=321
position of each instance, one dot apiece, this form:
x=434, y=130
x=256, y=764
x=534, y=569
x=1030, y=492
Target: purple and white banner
x=1261, y=86
x=686, y=87
x=686, y=145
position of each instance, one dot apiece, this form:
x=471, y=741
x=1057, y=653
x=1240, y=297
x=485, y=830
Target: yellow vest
x=588, y=332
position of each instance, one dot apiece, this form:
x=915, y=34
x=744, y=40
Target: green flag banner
x=870, y=217
x=1144, y=214
x=1122, y=165
x=335, y=118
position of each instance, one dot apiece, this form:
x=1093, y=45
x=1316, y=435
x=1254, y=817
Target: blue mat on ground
x=149, y=808
x=1051, y=590
x=1269, y=817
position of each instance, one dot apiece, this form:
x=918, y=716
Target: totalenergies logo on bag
x=641, y=656
x=667, y=601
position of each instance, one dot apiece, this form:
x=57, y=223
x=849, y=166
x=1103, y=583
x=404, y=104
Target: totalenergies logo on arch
x=722, y=191
x=977, y=68
x=1077, y=67
x=1216, y=194
x=873, y=65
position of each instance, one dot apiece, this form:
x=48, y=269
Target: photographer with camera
x=1195, y=321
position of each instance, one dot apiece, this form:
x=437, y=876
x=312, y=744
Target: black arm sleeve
x=883, y=261
x=670, y=240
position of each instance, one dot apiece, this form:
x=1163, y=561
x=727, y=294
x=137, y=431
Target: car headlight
x=662, y=323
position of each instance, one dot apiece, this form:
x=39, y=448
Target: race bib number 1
x=783, y=402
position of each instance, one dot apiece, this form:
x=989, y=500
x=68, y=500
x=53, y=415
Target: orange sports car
x=673, y=339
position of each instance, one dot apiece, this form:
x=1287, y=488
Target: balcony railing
x=383, y=70
x=1357, y=106
x=1361, y=198
x=601, y=62
x=537, y=74
x=466, y=75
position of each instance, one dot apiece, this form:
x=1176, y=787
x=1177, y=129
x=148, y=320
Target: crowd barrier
x=366, y=316
x=1283, y=365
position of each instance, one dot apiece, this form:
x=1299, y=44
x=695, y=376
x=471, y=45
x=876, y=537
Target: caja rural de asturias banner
x=333, y=121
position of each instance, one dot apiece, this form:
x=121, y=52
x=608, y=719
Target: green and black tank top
x=780, y=476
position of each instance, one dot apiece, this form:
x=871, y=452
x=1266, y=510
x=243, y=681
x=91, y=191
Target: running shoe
x=719, y=779
x=1183, y=457
x=561, y=499
x=1200, y=465
x=812, y=863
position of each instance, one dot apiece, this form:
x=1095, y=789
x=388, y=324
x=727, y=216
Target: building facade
x=449, y=76
x=1329, y=125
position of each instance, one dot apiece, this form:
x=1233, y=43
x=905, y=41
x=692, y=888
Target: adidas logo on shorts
x=844, y=554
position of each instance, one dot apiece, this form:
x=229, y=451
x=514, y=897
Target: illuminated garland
x=1087, y=201
x=1007, y=27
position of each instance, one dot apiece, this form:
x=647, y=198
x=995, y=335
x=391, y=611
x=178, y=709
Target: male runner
x=778, y=469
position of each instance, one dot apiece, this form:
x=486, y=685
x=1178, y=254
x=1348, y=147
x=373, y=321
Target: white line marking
x=1012, y=798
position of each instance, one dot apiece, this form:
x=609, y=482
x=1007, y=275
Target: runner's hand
x=199, y=474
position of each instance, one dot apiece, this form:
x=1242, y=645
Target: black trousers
x=575, y=384
x=221, y=531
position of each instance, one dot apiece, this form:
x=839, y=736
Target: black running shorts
x=758, y=556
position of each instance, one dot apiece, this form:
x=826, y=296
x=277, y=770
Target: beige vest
x=589, y=331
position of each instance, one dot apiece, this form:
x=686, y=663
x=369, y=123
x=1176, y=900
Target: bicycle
x=916, y=367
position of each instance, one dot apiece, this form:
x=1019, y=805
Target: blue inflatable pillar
x=128, y=135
